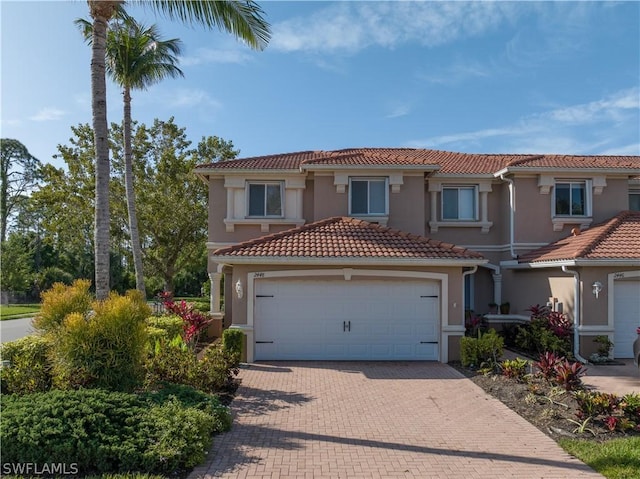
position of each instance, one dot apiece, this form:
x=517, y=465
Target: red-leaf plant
x=547, y=364
x=194, y=321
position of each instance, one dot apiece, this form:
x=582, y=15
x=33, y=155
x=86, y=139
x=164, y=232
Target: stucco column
x=484, y=215
x=434, y=206
x=497, y=289
x=214, y=297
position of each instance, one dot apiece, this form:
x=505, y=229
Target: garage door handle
x=428, y=342
x=264, y=342
x=346, y=326
x=264, y=296
x=429, y=296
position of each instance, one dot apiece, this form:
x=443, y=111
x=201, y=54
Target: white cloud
x=209, y=55
x=352, y=26
x=457, y=72
x=614, y=107
x=399, y=110
x=48, y=114
x=589, y=128
x=187, y=98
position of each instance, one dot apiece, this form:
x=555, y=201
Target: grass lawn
x=614, y=459
x=13, y=311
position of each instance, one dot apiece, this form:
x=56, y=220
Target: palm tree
x=136, y=58
x=242, y=18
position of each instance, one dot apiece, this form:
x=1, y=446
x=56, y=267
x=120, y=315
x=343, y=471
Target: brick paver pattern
x=304, y=420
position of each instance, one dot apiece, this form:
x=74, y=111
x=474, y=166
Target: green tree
x=17, y=272
x=172, y=238
x=176, y=235
x=212, y=149
x=65, y=205
x=19, y=172
x=137, y=58
x=243, y=19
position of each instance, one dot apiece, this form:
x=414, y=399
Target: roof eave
x=315, y=167
x=362, y=261
x=565, y=169
x=244, y=171
x=583, y=262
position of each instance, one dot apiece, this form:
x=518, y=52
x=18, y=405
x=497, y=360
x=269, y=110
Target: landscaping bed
x=550, y=408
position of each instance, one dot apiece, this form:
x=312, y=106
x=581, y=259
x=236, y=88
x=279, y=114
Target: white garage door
x=626, y=296
x=360, y=319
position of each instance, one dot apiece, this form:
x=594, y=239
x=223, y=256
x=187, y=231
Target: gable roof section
x=344, y=238
x=441, y=162
x=615, y=239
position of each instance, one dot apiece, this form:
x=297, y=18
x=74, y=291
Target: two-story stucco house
x=376, y=254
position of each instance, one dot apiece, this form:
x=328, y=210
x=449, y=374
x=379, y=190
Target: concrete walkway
x=377, y=420
x=622, y=378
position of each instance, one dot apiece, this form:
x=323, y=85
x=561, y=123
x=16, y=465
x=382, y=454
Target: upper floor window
x=460, y=203
x=265, y=199
x=368, y=196
x=634, y=200
x=571, y=198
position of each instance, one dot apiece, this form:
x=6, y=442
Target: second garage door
x=626, y=317
x=360, y=319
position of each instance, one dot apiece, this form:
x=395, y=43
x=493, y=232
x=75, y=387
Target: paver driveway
x=377, y=420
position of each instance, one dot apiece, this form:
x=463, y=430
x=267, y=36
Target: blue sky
x=525, y=77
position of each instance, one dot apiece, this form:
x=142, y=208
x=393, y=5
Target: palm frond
x=242, y=18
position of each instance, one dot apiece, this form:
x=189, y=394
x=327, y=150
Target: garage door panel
x=337, y=319
x=626, y=317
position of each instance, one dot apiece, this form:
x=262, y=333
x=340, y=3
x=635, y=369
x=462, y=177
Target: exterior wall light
x=597, y=287
x=239, y=289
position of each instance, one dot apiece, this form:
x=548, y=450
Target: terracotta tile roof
x=344, y=237
x=287, y=161
x=616, y=238
x=576, y=161
x=445, y=162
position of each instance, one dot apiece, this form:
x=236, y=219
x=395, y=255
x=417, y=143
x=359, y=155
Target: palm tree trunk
x=131, y=200
x=100, y=12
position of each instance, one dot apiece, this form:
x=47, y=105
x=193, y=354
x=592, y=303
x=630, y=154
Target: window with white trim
x=264, y=199
x=368, y=196
x=459, y=203
x=572, y=198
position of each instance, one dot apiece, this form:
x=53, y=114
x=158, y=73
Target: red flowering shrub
x=194, y=320
x=560, y=324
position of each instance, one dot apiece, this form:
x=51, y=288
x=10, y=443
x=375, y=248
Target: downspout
x=512, y=211
x=576, y=313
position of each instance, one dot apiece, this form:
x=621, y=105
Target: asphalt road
x=12, y=329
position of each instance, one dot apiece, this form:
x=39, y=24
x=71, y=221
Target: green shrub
x=104, y=350
x=485, y=349
x=108, y=432
x=29, y=369
x=182, y=436
x=216, y=369
x=514, y=368
x=170, y=361
x=232, y=340
x=547, y=331
x=60, y=301
x=174, y=362
x=156, y=334
x=173, y=325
